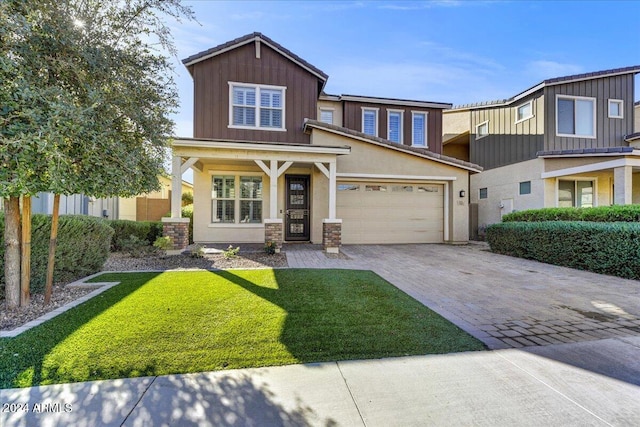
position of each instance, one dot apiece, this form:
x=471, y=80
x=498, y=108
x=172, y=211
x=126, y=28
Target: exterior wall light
x=462, y=193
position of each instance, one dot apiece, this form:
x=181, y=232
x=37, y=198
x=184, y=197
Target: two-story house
x=276, y=159
x=567, y=141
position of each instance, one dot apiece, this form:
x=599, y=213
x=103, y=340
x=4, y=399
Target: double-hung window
x=232, y=206
x=370, y=121
x=576, y=116
x=394, y=126
x=256, y=106
x=419, y=134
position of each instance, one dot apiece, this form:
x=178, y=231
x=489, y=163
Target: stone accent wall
x=331, y=236
x=179, y=233
x=273, y=233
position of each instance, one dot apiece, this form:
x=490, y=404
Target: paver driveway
x=504, y=301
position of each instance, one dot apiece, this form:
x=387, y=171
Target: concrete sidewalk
x=514, y=387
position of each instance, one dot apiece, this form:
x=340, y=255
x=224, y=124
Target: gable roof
x=250, y=38
x=635, y=69
x=419, y=152
x=395, y=101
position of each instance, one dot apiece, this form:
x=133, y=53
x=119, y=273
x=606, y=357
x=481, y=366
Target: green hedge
x=123, y=229
x=608, y=248
x=83, y=248
x=623, y=213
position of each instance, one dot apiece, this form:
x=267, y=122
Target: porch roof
x=590, y=152
x=260, y=146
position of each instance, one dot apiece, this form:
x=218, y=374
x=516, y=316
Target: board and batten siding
x=211, y=79
x=508, y=142
x=609, y=132
x=352, y=119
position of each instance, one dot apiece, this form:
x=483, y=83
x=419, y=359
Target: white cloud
x=543, y=69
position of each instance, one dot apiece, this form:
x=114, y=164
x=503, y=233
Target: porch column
x=622, y=184
x=331, y=227
x=273, y=226
x=273, y=189
x=332, y=190
x=176, y=227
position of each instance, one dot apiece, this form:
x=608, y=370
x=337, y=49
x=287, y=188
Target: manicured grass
x=178, y=322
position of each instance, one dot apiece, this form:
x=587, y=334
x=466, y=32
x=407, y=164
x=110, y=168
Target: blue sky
x=445, y=51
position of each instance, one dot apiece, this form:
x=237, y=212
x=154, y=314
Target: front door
x=297, y=222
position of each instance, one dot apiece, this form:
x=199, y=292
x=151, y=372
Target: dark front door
x=297, y=222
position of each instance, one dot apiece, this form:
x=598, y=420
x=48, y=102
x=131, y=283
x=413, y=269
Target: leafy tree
x=86, y=93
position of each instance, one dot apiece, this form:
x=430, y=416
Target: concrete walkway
x=593, y=380
x=497, y=388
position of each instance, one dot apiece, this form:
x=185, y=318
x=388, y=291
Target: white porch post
x=273, y=190
x=332, y=190
x=176, y=187
x=622, y=183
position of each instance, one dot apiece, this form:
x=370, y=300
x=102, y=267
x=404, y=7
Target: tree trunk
x=25, y=268
x=12, y=252
x=53, y=241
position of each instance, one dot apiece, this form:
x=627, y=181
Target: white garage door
x=384, y=212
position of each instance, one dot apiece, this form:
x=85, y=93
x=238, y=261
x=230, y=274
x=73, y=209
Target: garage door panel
x=401, y=214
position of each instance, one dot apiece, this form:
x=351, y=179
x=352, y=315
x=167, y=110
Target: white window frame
x=575, y=179
x=425, y=114
x=327, y=110
x=574, y=98
x=375, y=111
x=525, y=118
x=400, y=124
x=478, y=135
x=258, y=88
x=620, y=102
x=237, y=199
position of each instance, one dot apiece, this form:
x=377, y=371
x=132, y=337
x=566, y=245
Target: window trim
x=237, y=199
x=480, y=193
x=619, y=102
x=520, y=193
x=574, y=98
x=425, y=114
x=530, y=116
x=327, y=110
x=376, y=124
x=258, y=88
x=478, y=136
x=400, y=124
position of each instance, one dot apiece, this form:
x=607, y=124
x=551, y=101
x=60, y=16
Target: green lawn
x=178, y=322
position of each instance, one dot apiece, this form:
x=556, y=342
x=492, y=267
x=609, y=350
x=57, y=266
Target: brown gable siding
x=609, y=132
x=352, y=119
x=211, y=93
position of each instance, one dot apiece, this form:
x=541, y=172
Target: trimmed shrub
x=82, y=249
x=616, y=213
x=144, y=231
x=609, y=248
x=187, y=212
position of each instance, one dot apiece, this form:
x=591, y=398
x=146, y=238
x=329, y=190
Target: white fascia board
x=245, y=146
x=395, y=102
x=344, y=176
x=592, y=167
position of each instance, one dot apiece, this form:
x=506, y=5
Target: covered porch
x=256, y=192
x=592, y=177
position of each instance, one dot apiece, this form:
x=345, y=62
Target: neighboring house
x=145, y=207
x=636, y=115
x=567, y=141
x=277, y=159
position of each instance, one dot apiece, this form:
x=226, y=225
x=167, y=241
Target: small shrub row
x=142, y=231
x=82, y=248
x=616, y=213
x=607, y=248
x=187, y=212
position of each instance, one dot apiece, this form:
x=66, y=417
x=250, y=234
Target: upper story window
x=524, y=111
x=576, y=116
x=326, y=116
x=615, y=109
x=394, y=126
x=370, y=121
x=482, y=130
x=419, y=135
x=256, y=106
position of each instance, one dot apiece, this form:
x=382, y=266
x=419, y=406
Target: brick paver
x=504, y=301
